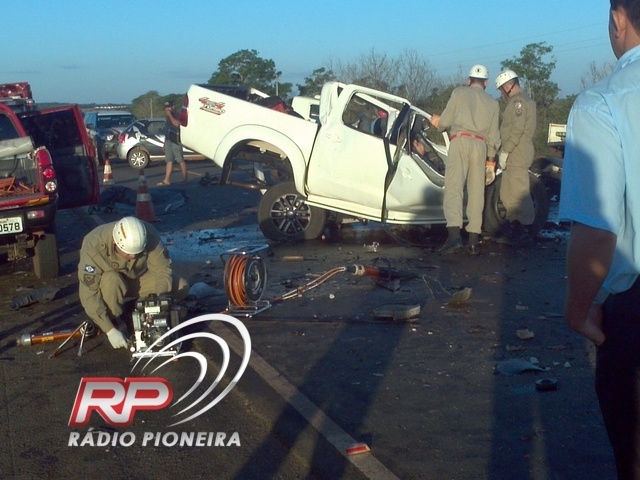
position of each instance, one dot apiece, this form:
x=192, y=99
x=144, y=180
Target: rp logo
x=118, y=400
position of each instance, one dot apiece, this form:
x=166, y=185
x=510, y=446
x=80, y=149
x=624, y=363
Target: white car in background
x=143, y=140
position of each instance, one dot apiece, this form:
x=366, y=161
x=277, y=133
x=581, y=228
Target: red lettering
x=117, y=401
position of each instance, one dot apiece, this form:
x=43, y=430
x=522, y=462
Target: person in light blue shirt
x=601, y=196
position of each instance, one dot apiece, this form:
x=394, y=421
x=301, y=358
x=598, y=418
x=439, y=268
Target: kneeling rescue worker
x=123, y=259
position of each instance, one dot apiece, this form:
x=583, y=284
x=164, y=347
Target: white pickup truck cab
x=368, y=157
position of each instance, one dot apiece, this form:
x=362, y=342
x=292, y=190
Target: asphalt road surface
x=447, y=394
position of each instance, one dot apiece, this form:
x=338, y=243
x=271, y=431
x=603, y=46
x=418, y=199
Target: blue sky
x=98, y=51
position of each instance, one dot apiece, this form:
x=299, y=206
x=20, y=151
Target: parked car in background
x=142, y=141
x=103, y=127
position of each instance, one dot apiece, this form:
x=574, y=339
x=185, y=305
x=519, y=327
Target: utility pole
x=277, y=77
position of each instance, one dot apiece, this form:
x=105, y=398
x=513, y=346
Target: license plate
x=11, y=225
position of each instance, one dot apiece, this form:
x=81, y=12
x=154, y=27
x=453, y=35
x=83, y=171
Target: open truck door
x=62, y=131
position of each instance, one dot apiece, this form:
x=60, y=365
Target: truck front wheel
x=46, y=263
x=283, y=214
x=495, y=213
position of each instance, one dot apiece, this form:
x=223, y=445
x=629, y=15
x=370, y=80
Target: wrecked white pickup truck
x=368, y=157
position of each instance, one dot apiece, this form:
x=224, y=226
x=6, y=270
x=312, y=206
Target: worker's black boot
x=453, y=243
x=505, y=233
x=526, y=236
x=474, y=244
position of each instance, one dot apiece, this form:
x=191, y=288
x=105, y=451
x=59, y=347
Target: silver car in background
x=143, y=140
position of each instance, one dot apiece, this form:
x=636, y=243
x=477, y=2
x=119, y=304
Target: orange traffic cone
x=144, y=206
x=107, y=179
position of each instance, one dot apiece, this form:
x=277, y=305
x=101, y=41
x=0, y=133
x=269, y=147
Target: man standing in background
x=172, y=147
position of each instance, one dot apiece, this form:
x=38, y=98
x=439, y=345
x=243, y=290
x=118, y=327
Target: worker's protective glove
x=116, y=338
x=502, y=160
x=489, y=172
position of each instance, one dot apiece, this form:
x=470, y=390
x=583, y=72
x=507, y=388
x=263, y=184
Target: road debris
x=546, y=384
x=292, y=258
x=515, y=366
x=396, y=311
x=42, y=294
x=358, y=448
x=525, y=334
x=202, y=290
x=438, y=292
x=461, y=296
x=371, y=248
x=175, y=203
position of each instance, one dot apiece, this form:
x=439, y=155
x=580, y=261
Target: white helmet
x=130, y=235
x=479, y=71
x=504, y=77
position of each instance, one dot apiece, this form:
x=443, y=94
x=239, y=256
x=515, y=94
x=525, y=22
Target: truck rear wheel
x=495, y=214
x=283, y=214
x=46, y=263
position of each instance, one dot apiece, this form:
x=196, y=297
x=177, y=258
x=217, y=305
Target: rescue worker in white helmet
x=472, y=117
x=123, y=259
x=515, y=157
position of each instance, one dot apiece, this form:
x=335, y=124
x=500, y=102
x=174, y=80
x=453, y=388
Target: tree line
x=408, y=75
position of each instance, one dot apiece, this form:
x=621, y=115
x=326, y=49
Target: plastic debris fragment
x=515, y=366
x=358, y=448
x=546, y=384
x=525, y=334
x=461, y=296
x=43, y=294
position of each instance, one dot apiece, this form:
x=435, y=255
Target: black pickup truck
x=47, y=162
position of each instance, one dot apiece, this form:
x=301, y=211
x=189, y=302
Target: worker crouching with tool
x=120, y=261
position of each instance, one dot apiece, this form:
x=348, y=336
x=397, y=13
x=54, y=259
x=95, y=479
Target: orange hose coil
x=234, y=280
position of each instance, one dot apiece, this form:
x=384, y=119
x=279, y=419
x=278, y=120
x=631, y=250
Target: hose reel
x=245, y=280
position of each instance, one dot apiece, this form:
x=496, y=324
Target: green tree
x=531, y=66
x=313, y=83
x=245, y=67
x=151, y=104
x=558, y=112
x=148, y=105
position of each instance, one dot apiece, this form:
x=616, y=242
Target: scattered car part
x=546, y=384
x=396, y=311
x=514, y=366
